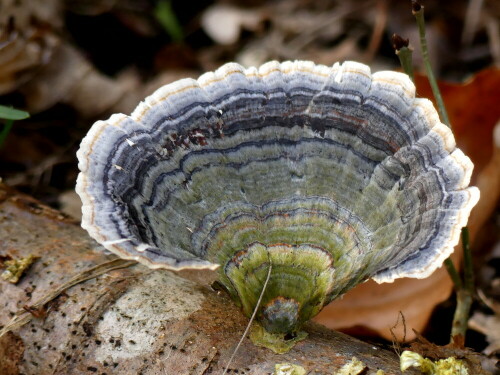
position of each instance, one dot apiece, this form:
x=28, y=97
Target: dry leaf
x=26, y=41
x=474, y=111
x=223, y=23
x=489, y=294
x=488, y=325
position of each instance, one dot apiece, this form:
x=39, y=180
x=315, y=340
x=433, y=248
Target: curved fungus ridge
x=333, y=174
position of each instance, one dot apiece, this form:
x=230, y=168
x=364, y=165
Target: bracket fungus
x=332, y=175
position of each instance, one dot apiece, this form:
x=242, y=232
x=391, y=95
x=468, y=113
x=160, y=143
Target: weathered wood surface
x=133, y=320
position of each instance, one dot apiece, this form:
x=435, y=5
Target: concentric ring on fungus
x=332, y=174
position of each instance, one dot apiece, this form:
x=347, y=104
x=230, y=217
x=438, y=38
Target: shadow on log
x=80, y=310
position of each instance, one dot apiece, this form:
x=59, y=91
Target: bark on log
x=132, y=320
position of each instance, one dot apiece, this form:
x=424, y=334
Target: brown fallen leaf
x=473, y=111
x=373, y=308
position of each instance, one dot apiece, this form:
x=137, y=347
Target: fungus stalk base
x=278, y=342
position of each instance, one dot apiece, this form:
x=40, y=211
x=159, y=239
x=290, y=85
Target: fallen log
x=79, y=310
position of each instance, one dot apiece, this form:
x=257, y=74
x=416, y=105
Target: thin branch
x=455, y=277
x=418, y=12
x=465, y=294
x=404, y=53
x=23, y=316
x=465, y=288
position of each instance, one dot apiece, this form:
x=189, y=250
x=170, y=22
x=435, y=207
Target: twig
x=23, y=316
x=404, y=53
x=455, y=277
x=468, y=266
x=395, y=342
x=465, y=288
x=464, y=294
x=418, y=12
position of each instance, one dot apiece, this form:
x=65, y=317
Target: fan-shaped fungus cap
x=332, y=174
